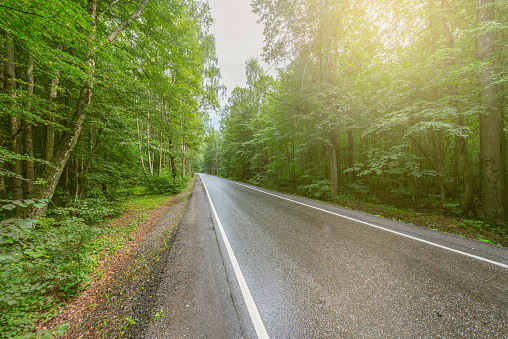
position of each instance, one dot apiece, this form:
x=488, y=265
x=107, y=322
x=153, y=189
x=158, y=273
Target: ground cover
x=55, y=275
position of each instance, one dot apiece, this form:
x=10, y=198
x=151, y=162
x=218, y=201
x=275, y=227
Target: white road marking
x=379, y=227
x=249, y=301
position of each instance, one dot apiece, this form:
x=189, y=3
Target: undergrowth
x=45, y=262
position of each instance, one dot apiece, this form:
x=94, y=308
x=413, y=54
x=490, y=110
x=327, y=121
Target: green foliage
x=159, y=314
x=12, y=229
x=94, y=210
x=165, y=184
x=144, y=202
x=319, y=189
x=50, y=258
x=128, y=322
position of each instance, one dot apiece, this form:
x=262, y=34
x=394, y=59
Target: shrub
x=165, y=184
x=319, y=189
x=38, y=263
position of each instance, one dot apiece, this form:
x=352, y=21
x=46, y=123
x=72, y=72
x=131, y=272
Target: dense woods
x=99, y=94
x=391, y=100
x=96, y=97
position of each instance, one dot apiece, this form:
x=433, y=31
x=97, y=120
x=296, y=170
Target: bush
x=165, y=184
x=39, y=263
x=94, y=210
x=319, y=189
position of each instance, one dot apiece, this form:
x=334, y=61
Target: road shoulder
x=194, y=294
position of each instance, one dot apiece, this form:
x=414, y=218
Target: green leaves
x=11, y=204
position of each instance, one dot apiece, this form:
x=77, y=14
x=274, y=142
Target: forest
x=98, y=99
x=390, y=101
x=106, y=101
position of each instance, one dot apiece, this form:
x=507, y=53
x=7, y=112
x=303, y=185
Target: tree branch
x=286, y=103
x=124, y=24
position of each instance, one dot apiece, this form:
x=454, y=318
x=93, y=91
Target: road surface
x=280, y=266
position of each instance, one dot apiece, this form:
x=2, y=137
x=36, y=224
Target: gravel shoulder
x=109, y=308
x=194, y=293
x=169, y=283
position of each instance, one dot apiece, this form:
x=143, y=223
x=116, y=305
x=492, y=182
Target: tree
x=489, y=118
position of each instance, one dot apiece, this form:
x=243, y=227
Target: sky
x=238, y=37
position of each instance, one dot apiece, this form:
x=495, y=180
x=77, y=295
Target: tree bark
x=172, y=159
x=2, y=87
x=28, y=131
x=334, y=163
x=2, y=62
x=49, y=144
x=504, y=168
x=124, y=24
x=489, y=128
x=150, y=160
x=139, y=148
x=88, y=163
x=468, y=205
x=440, y=174
x=159, y=171
x=14, y=122
x=350, y=154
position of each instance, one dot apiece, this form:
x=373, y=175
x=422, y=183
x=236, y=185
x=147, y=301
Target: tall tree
x=489, y=118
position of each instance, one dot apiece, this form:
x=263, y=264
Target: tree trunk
x=75, y=181
x=28, y=131
x=49, y=145
x=139, y=148
x=3, y=191
x=489, y=128
x=334, y=184
x=440, y=174
x=468, y=205
x=504, y=168
x=461, y=153
x=2, y=62
x=172, y=159
x=350, y=154
x=88, y=163
x=14, y=123
x=183, y=160
x=2, y=87
x=334, y=164
x=149, y=147
x=160, y=156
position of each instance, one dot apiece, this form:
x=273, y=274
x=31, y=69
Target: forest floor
x=124, y=277
x=444, y=219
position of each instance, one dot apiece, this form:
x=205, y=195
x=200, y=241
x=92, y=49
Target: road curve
x=314, y=274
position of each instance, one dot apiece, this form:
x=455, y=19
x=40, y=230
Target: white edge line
x=249, y=301
x=379, y=227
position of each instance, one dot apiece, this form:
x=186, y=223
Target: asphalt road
x=319, y=271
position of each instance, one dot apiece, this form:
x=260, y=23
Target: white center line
x=379, y=227
x=249, y=301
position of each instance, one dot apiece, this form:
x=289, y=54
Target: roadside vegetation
x=64, y=252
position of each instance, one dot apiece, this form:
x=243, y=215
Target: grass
x=145, y=202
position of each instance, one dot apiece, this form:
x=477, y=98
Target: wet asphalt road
x=313, y=274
